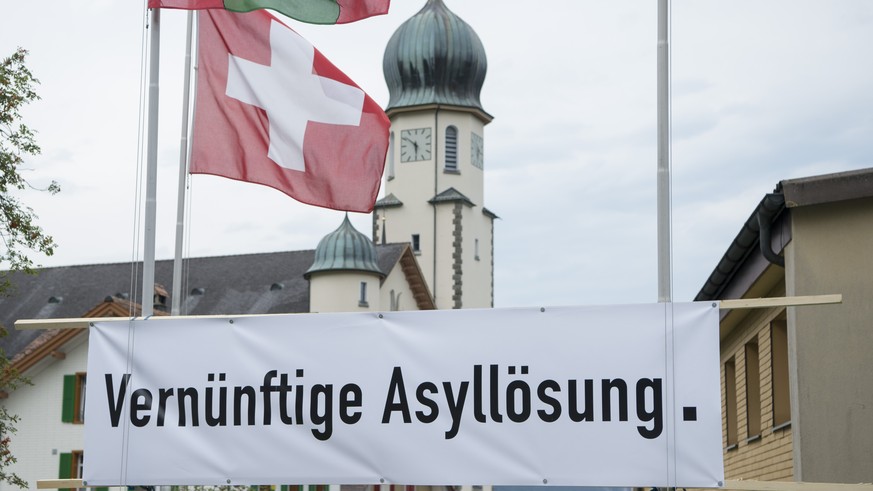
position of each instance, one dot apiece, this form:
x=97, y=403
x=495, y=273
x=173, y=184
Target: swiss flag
x=272, y=110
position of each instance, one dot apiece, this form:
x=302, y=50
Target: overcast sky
x=762, y=91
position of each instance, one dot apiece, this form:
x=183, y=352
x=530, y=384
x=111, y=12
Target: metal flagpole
x=148, y=269
x=665, y=269
x=183, y=173
x=665, y=288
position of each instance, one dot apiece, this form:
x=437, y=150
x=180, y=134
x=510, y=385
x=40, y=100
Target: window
x=395, y=301
x=451, y=149
x=730, y=401
x=753, y=390
x=78, y=464
x=362, y=301
x=476, y=249
x=73, y=403
x=70, y=467
x=416, y=244
x=779, y=372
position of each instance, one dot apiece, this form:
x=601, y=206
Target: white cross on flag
x=272, y=110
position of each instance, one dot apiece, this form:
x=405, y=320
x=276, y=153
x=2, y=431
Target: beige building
x=797, y=382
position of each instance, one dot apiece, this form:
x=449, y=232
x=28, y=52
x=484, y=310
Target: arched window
x=362, y=301
x=451, y=149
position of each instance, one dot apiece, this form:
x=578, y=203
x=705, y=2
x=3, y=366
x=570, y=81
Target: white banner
x=592, y=396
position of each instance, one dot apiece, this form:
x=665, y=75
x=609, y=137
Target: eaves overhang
x=475, y=111
x=746, y=244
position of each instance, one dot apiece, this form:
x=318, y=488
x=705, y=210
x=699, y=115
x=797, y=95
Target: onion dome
x=345, y=249
x=434, y=58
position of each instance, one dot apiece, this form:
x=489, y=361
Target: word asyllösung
x=283, y=399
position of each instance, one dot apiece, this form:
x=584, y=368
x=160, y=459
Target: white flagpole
x=183, y=173
x=148, y=269
x=665, y=288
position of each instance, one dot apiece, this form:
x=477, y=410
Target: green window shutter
x=66, y=463
x=69, y=401
x=101, y=489
x=283, y=487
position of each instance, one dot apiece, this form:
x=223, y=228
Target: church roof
x=435, y=58
x=451, y=195
x=389, y=201
x=240, y=284
x=345, y=249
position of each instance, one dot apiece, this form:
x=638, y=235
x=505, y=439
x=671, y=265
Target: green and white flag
x=311, y=11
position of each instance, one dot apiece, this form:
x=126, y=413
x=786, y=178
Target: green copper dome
x=434, y=58
x=345, y=249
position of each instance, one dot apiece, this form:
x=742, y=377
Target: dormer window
x=160, y=298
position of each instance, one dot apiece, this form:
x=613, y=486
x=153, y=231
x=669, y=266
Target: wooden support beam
x=759, y=303
x=742, y=303
x=84, y=322
x=748, y=485
x=58, y=483
x=738, y=485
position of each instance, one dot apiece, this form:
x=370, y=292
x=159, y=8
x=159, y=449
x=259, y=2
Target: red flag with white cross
x=272, y=110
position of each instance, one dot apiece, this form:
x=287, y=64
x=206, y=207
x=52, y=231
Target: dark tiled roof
x=389, y=201
x=243, y=284
x=451, y=195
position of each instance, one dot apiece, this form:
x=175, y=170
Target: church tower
x=435, y=66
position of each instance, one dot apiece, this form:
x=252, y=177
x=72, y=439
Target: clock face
x=415, y=145
x=477, y=150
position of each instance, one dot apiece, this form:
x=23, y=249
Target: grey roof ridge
x=117, y=263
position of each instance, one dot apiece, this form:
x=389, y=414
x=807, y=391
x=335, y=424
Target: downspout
x=773, y=203
x=436, y=153
x=756, y=229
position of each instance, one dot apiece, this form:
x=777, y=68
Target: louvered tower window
x=451, y=149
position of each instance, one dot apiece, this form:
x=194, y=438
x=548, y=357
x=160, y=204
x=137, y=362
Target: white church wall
x=397, y=288
x=468, y=179
x=417, y=182
x=340, y=291
x=444, y=256
x=476, y=257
